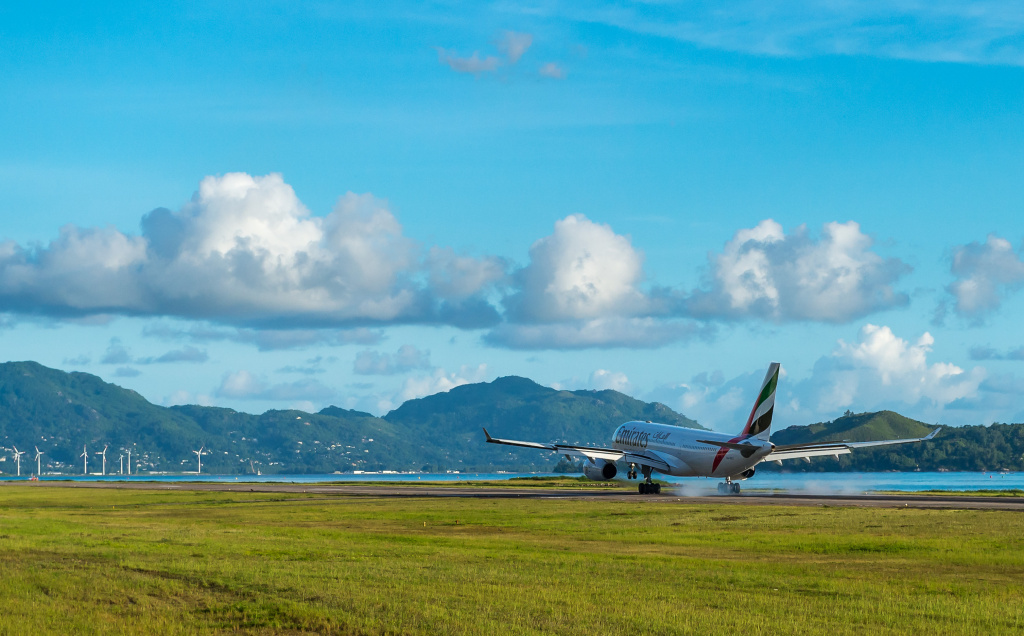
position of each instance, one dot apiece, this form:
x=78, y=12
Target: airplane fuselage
x=678, y=447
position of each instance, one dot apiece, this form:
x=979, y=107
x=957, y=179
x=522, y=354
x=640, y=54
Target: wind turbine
x=17, y=458
x=199, y=455
x=129, y=461
x=104, y=453
x=85, y=460
x=39, y=463
x=121, y=472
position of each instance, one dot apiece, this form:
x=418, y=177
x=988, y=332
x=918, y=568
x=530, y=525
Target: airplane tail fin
x=759, y=424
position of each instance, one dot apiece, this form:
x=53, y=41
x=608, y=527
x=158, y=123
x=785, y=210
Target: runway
x=668, y=496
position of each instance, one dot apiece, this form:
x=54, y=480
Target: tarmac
x=669, y=495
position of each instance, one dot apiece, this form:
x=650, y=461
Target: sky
x=268, y=205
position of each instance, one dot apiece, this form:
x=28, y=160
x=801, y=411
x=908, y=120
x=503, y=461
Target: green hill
x=855, y=427
x=60, y=412
x=518, y=408
x=967, y=448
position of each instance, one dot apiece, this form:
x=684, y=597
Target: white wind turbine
x=39, y=462
x=104, y=453
x=85, y=460
x=199, y=455
x=121, y=472
x=17, y=458
x=129, y=461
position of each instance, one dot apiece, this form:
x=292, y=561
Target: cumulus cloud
x=243, y=251
x=581, y=289
x=877, y=371
x=711, y=400
x=882, y=369
x=603, y=380
x=457, y=277
x=552, y=70
x=584, y=270
x=766, y=274
x=985, y=273
x=244, y=385
x=440, y=381
x=407, y=358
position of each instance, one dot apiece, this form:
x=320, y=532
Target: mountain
x=518, y=408
x=855, y=427
x=967, y=448
x=60, y=412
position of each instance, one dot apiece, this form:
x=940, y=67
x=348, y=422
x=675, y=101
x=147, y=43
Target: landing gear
x=647, y=486
x=728, y=487
x=631, y=474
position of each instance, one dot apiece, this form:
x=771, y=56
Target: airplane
x=688, y=452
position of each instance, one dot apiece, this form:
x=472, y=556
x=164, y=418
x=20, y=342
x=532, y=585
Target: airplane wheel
x=723, y=489
x=657, y=489
x=735, y=489
x=642, y=488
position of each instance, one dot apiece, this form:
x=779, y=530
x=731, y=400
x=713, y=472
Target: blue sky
x=272, y=205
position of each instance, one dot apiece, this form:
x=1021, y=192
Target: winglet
x=487, y=434
x=931, y=435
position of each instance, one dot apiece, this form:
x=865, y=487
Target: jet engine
x=600, y=470
x=747, y=474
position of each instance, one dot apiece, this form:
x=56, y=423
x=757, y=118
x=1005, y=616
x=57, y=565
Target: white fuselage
x=678, y=447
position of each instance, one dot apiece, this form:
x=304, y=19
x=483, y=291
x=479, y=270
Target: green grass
x=136, y=562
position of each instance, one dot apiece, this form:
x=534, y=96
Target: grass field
x=136, y=562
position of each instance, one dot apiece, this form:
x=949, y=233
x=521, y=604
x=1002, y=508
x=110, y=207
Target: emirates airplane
x=688, y=452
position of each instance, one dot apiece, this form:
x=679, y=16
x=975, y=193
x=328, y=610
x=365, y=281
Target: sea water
x=810, y=483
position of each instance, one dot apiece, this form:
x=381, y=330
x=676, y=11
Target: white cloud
x=764, y=273
x=985, y=273
x=552, y=70
x=878, y=371
x=513, y=45
x=244, y=385
x=473, y=65
x=246, y=251
x=181, y=397
x=439, y=381
x=882, y=370
x=458, y=277
x=603, y=380
x=407, y=358
x=116, y=353
x=581, y=289
x=583, y=270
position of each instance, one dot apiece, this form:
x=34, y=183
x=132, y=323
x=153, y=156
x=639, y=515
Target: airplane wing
x=589, y=453
x=832, y=449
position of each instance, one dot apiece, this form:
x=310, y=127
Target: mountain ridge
x=60, y=412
